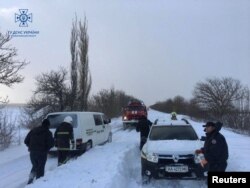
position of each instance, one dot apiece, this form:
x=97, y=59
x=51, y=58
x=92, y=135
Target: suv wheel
x=145, y=179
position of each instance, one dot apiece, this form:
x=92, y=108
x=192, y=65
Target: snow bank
x=101, y=166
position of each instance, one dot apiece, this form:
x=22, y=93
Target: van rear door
x=107, y=128
x=99, y=128
x=56, y=119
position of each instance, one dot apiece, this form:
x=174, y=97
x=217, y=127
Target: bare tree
x=217, y=95
x=239, y=118
x=51, y=91
x=9, y=75
x=74, y=63
x=195, y=112
x=180, y=105
x=9, y=65
x=33, y=114
x=85, y=80
x=109, y=101
x=51, y=94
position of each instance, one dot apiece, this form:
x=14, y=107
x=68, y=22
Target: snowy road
x=131, y=172
x=112, y=165
x=14, y=174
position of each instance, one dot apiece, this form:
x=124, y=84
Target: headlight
x=152, y=157
x=125, y=118
x=143, y=154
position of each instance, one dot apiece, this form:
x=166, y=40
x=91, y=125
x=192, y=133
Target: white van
x=90, y=128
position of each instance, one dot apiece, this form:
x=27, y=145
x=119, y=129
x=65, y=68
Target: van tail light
x=78, y=141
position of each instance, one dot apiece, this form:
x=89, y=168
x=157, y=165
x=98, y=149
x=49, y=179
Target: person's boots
x=31, y=177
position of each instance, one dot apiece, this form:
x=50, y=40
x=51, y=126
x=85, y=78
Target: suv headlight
x=143, y=154
x=152, y=157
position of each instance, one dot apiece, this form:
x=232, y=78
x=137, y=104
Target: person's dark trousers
x=63, y=156
x=38, y=160
x=217, y=167
x=199, y=171
x=143, y=141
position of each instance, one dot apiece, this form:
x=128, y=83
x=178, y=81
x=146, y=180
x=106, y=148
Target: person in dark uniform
x=215, y=148
x=63, y=137
x=143, y=126
x=39, y=141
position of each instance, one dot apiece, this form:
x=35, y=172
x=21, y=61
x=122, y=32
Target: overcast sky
x=151, y=49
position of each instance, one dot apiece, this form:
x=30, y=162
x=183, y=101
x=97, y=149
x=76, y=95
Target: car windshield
x=172, y=133
x=56, y=119
x=135, y=108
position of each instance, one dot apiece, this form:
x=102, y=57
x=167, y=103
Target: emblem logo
x=23, y=17
x=213, y=141
x=175, y=158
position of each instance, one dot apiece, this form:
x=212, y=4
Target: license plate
x=176, y=169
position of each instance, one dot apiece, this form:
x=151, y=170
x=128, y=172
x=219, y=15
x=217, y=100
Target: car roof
x=169, y=122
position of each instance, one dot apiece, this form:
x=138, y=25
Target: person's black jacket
x=63, y=136
x=39, y=139
x=215, y=147
x=143, y=126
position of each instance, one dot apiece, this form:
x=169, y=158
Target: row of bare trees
x=109, y=101
x=224, y=99
x=217, y=99
x=64, y=90
x=54, y=92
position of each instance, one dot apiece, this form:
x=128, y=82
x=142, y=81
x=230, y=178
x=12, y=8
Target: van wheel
x=89, y=145
x=110, y=138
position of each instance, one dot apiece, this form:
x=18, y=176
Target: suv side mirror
x=106, y=121
x=203, y=138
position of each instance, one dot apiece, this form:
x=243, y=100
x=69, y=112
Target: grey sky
x=151, y=49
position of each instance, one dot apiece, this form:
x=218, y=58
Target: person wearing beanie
x=39, y=141
x=64, y=136
x=215, y=148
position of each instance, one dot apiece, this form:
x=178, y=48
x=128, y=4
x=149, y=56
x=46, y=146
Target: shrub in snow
x=7, y=130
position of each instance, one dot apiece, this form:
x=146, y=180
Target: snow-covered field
x=113, y=165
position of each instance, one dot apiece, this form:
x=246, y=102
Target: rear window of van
x=56, y=119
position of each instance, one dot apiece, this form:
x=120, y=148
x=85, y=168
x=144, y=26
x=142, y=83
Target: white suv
x=170, y=151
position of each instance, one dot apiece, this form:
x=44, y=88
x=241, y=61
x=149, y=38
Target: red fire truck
x=133, y=112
